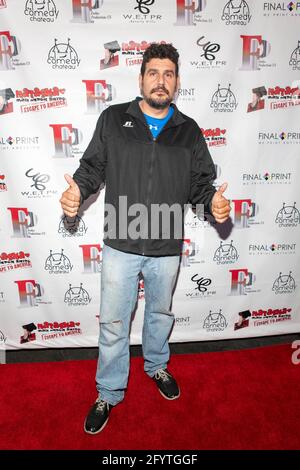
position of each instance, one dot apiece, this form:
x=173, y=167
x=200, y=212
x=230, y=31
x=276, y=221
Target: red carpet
x=246, y=399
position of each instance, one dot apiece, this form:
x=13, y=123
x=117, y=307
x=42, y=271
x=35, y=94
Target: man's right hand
x=70, y=199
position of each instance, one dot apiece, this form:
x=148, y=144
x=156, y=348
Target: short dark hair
x=160, y=51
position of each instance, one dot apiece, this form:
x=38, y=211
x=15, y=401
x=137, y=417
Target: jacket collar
x=134, y=110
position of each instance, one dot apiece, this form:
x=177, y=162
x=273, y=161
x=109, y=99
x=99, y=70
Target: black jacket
x=174, y=168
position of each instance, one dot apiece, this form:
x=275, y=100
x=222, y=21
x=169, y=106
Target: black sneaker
x=97, y=417
x=167, y=385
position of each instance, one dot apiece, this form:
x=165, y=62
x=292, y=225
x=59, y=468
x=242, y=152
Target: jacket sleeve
x=202, y=175
x=91, y=172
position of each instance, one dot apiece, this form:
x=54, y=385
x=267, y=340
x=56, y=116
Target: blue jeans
x=119, y=286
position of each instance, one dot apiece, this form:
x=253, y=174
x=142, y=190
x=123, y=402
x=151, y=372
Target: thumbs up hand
x=220, y=206
x=70, y=199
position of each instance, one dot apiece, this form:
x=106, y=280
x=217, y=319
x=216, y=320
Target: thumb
x=222, y=188
x=72, y=183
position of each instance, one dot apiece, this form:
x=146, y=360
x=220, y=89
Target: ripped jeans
x=119, y=286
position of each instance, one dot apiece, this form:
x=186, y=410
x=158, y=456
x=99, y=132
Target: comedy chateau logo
x=294, y=62
x=215, y=321
x=19, y=143
x=279, y=138
x=272, y=249
x=89, y=11
x=66, y=140
x=41, y=10
x=223, y=100
x=38, y=99
x=190, y=253
x=49, y=330
x=14, y=260
x=58, y=263
x=254, y=51
x=226, y=253
x=236, y=12
x=3, y=185
x=63, y=56
x=132, y=52
x=77, y=296
x=284, y=284
x=72, y=227
x=10, y=48
x=201, y=288
x=23, y=222
x=99, y=94
x=215, y=137
x=267, y=178
x=39, y=188
x=288, y=216
x=190, y=12
x=209, y=55
x=31, y=293
x=144, y=12
x=91, y=257
x=277, y=98
x=281, y=9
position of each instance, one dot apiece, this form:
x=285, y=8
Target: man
x=150, y=154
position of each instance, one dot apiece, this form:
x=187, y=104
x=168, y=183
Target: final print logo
x=236, y=12
x=58, y=263
x=288, y=216
x=284, y=284
x=41, y=10
x=63, y=56
x=72, y=226
x=223, y=100
x=281, y=9
x=226, y=253
x=77, y=296
x=215, y=321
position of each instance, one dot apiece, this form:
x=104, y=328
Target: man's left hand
x=220, y=206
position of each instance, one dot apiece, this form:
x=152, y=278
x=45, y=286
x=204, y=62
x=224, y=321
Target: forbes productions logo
x=223, y=100
x=143, y=13
x=189, y=12
x=41, y=11
x=99, y=94
x=91, y=258
x=288, y=216
x=30, y=293
x=66, y=139
x=284, y=284
x=23, y=222
x=215, y=321
x=226, y=253
x=72, y=227
x=236, y=12
x=10, y=48
x=295, y=58
x=254, y=50
x=63, y=56
x=58, y=263
x=87, y=11
x=77, y=296
x=189, y=253
x=3, y=4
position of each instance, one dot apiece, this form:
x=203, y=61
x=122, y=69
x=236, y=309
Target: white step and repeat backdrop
x=62, y=62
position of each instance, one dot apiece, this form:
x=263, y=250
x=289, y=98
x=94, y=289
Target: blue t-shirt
x=155, y=124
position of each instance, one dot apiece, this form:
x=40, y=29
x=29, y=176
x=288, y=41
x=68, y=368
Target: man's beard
x=158, y=103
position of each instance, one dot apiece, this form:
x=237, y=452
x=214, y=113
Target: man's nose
x=161, y=79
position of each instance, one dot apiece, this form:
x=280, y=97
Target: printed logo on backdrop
x=266, y=178
x=41, y=11
x=277, y=98
x=288, y=216
x=66, y=140
x=190, y=253
x=3, y=185
x=182, y=321
x=193, y=222
x=19, y=142
x=2, y=299
x=245, y=213
x=284, y=284
x=99, y=94
x=271, y=249
x=209, y=56
x=280, y=9
x=40, y=99
x=132, y=52
x=77, y=296
x=201, y=288
x=254, y=51
x=215, y=137
x=31, y=293
x=185, y=95
x=236, y=12
x=58, y=263
x=6, y=103
x=49, y=330
x=72, y=227
x=92, y=262
x=261, y=317
x=275, y=138
x=143, y=14
x=63, y=56
x=10, y=48
x=189, y=12
x=14, y=260
x=215, y=321
x=38, y=183
x=223, y=100
x=23, y=222
x=226, y=253
x=295, y=58
x=3, y=4
x=87, y=11
x=242, y=281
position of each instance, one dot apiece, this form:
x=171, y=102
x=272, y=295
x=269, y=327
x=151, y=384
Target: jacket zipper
x=149, y=185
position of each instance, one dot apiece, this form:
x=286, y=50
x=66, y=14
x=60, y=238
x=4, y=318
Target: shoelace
x=162, y=374
x=101, y=405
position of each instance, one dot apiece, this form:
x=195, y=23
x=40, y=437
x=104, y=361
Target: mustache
x=161, y=88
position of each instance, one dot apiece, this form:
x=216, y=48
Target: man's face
x=159, y=83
